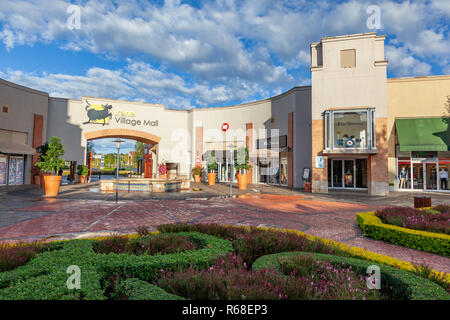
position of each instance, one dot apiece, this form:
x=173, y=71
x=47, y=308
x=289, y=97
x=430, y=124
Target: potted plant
x=50, y=162
x=82, y=171
x=241, y=163
x=212, y=167
x=197, y=173
x=162, y=168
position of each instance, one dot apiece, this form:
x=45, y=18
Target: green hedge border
x=373, y=227
x=44, y=277
x=406, y=285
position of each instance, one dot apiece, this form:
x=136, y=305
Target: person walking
x=443, y=174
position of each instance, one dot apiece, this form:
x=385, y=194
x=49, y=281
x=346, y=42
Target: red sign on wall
x=225, y=127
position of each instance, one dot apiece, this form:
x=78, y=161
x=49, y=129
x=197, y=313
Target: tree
x=51, y=161
x=212, y=163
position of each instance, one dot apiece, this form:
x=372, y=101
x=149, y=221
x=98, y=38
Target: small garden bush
x=229, y=279
x=395, y=283
x=250, y=243
x=156, y=244
x=435, y=220
x=206, y=262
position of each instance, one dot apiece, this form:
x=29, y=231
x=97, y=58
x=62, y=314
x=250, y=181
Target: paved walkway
x=24, y=216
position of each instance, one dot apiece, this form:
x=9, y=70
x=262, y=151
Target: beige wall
x=359, y=87
x=23, y=103
x=414, y=98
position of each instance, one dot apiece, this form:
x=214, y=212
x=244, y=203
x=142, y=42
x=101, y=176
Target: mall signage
x=103, y=114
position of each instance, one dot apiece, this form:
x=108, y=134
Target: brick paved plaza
x=79, y=211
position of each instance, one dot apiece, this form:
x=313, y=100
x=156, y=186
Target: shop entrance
x=347, y=173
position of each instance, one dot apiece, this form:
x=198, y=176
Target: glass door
x=431, y=176
x=417, y=176
x=337, y=173
x=349, y=173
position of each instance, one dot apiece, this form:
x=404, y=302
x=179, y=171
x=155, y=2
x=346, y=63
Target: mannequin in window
x=403, y=175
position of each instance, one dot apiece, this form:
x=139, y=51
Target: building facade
x=349, y=130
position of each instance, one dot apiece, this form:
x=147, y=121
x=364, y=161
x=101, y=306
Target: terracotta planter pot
x=81, y=178
x=52, y=185
x=197, y=178
x=242, y=181
x=162, y=176
x=211, y=178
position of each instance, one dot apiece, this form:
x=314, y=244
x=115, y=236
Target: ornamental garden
x=215, y=262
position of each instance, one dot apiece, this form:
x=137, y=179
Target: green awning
x=423, y=134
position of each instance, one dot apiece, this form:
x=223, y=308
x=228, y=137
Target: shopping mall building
x=352, y=129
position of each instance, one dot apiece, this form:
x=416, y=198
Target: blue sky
x=187, y=54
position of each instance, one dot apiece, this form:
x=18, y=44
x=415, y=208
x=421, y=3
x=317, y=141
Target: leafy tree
x=51, y=161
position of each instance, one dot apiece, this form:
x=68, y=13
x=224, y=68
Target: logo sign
x=98, y=113
x=225, y=127
x=102, y=114
x=320, y=162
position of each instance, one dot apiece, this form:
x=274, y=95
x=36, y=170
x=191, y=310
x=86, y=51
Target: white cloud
x=220, y=50
x=403, y=63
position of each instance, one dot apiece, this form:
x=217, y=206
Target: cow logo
x=98, y=113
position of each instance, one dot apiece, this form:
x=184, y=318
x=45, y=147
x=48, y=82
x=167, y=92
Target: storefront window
x=353, y=129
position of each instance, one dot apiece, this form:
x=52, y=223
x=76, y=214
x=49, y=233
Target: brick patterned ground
x=329, y=219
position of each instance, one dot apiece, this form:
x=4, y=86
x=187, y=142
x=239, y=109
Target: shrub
x=112, y=244
x=396, y=283
x=44, y=277
x=228, y=279
x=417, y=219
x=13, y=257
x=373, y=227
x=156, y=244
x=442, y=208
x=252, y=242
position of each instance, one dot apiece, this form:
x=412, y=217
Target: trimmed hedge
x=373, y=227
x=142, y=290
x=405, y=285
x=44, y=277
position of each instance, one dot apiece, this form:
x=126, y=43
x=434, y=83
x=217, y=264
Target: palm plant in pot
x=50, y=162
x=212, y=167
x=82, y=171
x=197, y=173
x=241, y=163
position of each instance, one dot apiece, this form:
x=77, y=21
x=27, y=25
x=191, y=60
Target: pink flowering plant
x=436, y=219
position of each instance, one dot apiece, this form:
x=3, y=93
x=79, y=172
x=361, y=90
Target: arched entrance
x=144, y=137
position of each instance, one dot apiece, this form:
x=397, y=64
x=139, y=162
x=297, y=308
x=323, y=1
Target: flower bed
x=150, y=266
x=436, y=219
x=395, y=283
x=373, y=227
